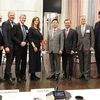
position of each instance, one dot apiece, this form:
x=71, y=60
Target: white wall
x=31, y=8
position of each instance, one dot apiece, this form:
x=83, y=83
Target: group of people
x=14, y=39
x=66, y=42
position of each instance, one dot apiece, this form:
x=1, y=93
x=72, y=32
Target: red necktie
x=66, y=33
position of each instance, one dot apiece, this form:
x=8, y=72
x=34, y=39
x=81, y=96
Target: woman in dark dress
x=35, y=38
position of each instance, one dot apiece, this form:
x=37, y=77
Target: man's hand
x=60, y=52
x=1, y=47
x=7, y=49
x=91, y=49
x=72, y=52
x=23, y=44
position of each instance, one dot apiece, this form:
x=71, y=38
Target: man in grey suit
x=55, y=44
x=85, y=45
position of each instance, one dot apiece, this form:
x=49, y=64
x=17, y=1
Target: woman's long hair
x=32, y=24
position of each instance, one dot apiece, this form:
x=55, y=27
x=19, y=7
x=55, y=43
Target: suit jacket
x=1, y=37
x=7, y=33
x=17, y=36
x=97, y=33
x=88, y=40
x=57, y=43
x=71, y=41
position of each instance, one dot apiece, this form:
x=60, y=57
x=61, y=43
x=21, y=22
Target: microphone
x=58, y=94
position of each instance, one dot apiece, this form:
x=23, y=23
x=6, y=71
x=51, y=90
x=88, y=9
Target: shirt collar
x=83, y=25
x=67, y=29
x=55, y=29
x=21, y=24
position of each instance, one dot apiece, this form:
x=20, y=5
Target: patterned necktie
x=53, y=35
x=24, y=32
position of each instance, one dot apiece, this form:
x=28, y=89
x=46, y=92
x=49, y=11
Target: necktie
x=24, y=32
x=12, y=23
x=66, y=33
x=82, y=30
x=53, y=35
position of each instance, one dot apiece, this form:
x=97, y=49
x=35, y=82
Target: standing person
x=20, y=40
x=35, y=38
x=84, y=46
x=7, y=27
x=55, y=44
x=1, y=49
x=70, y=41
x=97, y=46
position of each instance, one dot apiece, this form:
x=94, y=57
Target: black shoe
x=19, y=80
x=2, y=80
x=10, y=81
x=34, y=78
x=13, y=78
x=51, y=77
x=56, y=78
x=23, y=79
x=80, y=76
x=37, y=77
x=86, y=78
x=69, y=78
x=64, y=77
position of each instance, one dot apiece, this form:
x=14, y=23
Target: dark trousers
x=65, y=59
x=84, y=62
x=97, y=56
x=0, y=57
x=54, y=63
x=20, y=62
x=9, y=61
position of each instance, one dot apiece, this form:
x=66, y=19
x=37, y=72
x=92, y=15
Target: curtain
x=97, y=9
x=75, y=9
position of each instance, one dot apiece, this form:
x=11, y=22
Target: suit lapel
x=80, y=33
x=50, y=34
x=9, y=23
x=69, y=33
x=85, y=30
x=20, y=28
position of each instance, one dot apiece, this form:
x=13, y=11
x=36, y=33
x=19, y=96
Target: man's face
x=67, y=24
x=83, y=20
x=0, y=18
x=11, y=16
x=54, y=24
x=22, y=19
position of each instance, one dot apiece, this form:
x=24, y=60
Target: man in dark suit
x=97, y=46
x=1, y=41
x=1, y=48
x=20, y=40
x=70, y=41
x=8, y=45
x=55, y=44
x=85, y=45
